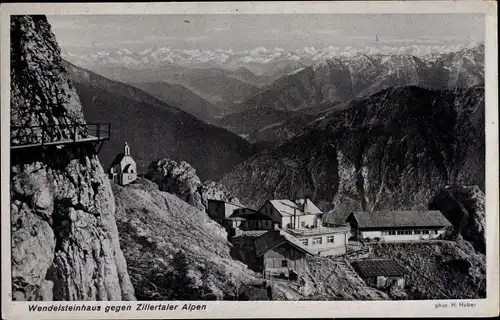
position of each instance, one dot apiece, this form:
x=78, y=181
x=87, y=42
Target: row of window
x=317, y=240
x=407, y=232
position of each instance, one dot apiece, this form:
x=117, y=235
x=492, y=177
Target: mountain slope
x=174, y=251
x=342, y=79
x=181, y=97
x=222, y=87
x=155, y=129
x=394, y=149
x=250, y=120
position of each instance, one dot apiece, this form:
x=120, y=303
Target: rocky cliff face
x=464, y=207
x=395, y=149
x=180, y=178
x=65, y=242
x=174, y=251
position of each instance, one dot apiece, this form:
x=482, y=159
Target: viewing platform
x=59, y=135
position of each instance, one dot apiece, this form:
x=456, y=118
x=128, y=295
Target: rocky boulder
x=180, y=178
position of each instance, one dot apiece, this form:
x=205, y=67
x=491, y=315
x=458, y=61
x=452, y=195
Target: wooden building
x=219, y=210
x=397, y=225
x=281, y=255
x=248, y=219
x=381, y=273
x=243, y=248
x=298, y=214
x=123, y=169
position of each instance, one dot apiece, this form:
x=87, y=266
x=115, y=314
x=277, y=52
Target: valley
x=155, y=129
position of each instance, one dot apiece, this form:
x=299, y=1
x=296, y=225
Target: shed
x=281, y=254
x=380, y=273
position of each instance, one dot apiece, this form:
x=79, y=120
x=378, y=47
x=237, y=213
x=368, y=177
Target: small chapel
x=123, y=169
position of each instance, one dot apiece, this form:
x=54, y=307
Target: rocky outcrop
x=394, y=150
x=174, y=251
x=463, y=206
x=180, y=178
x=437, y=270
x=65, y=242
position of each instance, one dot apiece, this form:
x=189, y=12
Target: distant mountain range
x=259, y=60
x=155, y=129
x=392, y=150
x=342, y=79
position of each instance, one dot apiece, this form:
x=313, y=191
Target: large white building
x=302, y=219
x=298, y=214
x=397, y=225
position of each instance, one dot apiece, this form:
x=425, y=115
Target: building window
x=392, y=233
x=317, y=240
x=329, y=239
x=284, y=263
x=400, y=232
x=305, y=241
x=288, y=225
x=425, y=231
x=303, y=224
x=416, y=231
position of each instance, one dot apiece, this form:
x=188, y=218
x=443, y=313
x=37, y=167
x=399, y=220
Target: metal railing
x=60, y=133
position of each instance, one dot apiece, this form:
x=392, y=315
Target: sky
x=246, y=32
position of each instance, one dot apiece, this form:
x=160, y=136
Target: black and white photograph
x=173, y=159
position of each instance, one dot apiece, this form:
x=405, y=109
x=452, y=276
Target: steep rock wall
x=464, y=207
x=393, y=150
x=65, y=242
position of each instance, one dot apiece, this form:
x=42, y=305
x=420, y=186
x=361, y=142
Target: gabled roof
x=119, y=157
x=378, y=267
x=285, y=207
x=288, y=208
x=395, y=219
x=310, y=208
x=275, y=238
